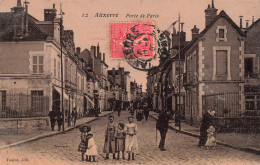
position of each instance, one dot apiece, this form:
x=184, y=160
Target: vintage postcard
x=129, y=82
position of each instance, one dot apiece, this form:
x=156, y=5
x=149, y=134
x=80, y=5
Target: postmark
x=141, y=44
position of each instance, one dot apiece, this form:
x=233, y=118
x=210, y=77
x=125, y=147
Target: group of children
x=88, y=147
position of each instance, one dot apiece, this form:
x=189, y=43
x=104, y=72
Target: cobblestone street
x=181, y=149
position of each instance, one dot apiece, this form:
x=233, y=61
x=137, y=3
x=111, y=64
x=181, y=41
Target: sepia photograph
x=129, y=82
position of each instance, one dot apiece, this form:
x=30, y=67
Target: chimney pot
x=241, y=21
x=253, y=19
x=182, y=26
x=54, y=6
x=247, y=23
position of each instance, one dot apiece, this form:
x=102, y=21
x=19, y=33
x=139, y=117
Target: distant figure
x=118, y=112
x=207, y=121
x=110, y=143
x=74, y=115
x=162, y=125
x=53, y=118
x=146, y=113
x=211, y=140
x=59, y=119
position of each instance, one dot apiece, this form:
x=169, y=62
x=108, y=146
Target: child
x=120, y=140
x=84, y=140
x=92, y=147
x=211, y=141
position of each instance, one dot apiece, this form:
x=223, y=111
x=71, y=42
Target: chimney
x=194, y=32
x=26, y=17
x=253, y=19
x=50, y=14
x=247, y=23
x=98, y=51
x=174, y=29
x=78, y=50
x=18, y=8
x=210, y=14
x=104, y=57
x=93, y=52
x=182, y=26
x=99, y=56
x=241, y=21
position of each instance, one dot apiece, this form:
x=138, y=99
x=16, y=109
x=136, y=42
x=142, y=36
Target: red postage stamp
x=132, y=40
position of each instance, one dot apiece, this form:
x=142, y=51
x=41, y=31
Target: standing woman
x=131, y=145
x=110, y=142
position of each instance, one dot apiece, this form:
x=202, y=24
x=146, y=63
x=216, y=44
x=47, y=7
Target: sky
x=92, y=30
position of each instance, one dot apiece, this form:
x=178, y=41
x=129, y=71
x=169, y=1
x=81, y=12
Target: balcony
x=189, y=79
x=252, y=78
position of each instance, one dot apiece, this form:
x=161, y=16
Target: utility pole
x=61, y=63
x=179, y=70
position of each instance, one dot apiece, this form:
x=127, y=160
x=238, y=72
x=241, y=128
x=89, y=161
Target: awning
x=65, y=96
x=89, y=99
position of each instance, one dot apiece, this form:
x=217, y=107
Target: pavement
x=240, y=141
x=14, y=139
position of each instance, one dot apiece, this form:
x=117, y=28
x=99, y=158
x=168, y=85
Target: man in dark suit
x=53, y=118
x=59, y=119
x=162, y=125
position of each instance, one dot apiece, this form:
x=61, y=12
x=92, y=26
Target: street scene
x=181, y=149
x=134, y=82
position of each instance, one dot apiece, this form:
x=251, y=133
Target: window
x=54, y=69
x=37, y=102
x=221, y=62
x=221, y=33
x=3, y=100
x=248, y=64
x=37, y=64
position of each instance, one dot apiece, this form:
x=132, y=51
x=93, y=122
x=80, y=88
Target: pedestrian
x=91, y=147
x=120, y=141
x=110, y=143
x=118, y=112
x=211, y=140
x=59, y=119
x=146, y=113
x=74, y=115
x=162, y=125
x=131, y=144
x=53, y=118
x=207, y=121
x=139, y=114
x=84, y=129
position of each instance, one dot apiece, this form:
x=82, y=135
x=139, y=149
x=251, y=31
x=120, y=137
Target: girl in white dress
x=131, y=145
x=92, y=148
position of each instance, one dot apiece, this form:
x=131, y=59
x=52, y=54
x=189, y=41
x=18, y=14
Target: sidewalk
x=239, y=141
x=27, y=136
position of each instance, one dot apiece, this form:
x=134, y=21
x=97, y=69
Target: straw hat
x=81, y=127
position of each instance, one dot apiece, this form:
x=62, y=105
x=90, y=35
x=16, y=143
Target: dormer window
x=221, y=33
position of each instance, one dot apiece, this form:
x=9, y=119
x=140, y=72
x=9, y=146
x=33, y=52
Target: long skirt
x=120, y=145
x=109, y=146
x=131, y=144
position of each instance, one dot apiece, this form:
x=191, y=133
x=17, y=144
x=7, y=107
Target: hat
x=81, y=127
x=121, y=125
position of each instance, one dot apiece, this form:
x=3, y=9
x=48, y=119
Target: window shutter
x=221, y=62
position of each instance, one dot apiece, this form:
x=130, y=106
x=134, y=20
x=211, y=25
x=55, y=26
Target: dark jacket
x=162, y=123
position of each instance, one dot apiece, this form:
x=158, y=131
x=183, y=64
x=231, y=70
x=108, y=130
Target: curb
x=247, y=149
x=48, y=135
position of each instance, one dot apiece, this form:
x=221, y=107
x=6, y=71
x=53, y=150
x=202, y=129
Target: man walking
x=53, y=118
x=74, y=115
x=162, y=125
x=59, y=119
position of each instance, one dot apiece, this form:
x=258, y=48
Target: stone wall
x=23, y=124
